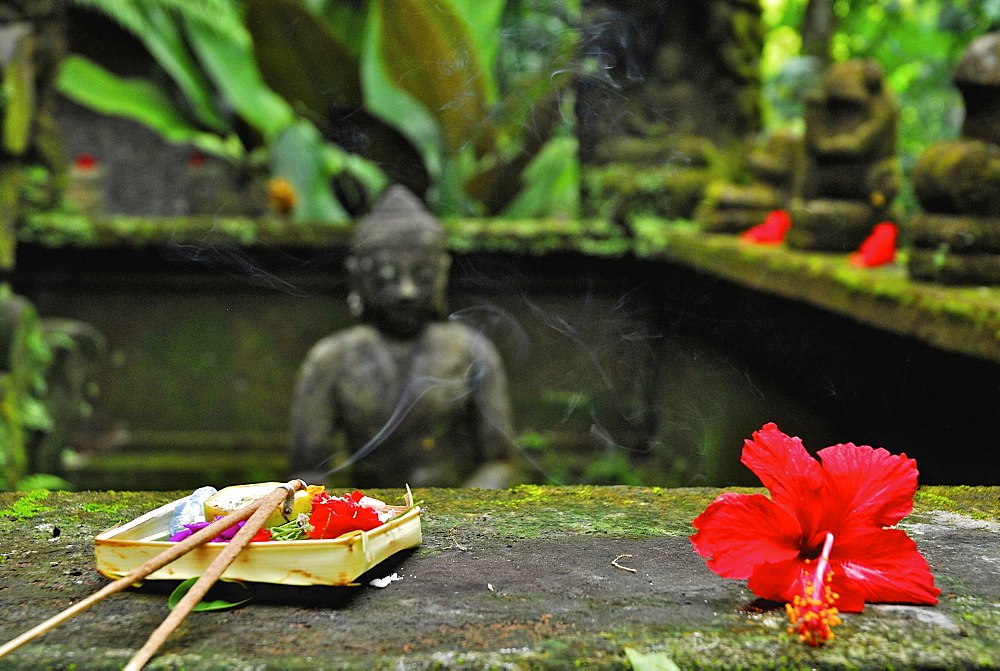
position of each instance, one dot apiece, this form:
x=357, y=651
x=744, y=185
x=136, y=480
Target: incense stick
x=214, y=571
x=138, y=573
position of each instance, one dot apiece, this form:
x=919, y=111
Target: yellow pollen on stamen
x=813, y=615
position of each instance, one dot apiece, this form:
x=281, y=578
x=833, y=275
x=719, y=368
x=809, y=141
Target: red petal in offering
x=878, y=249
x=772, y=231
x=334, y=516
x=852, y=495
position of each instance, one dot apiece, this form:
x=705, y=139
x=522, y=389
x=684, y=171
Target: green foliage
x=92, y=86
x=157, y=23
x=429, y=71
x=223, y=595
x=288, y=39
x=612, y=468
x=918, y=43
x=17, y=95
x=298, y=152
x=22, y=386
x=226, y=107
x=650, y=661
x=532, y=441
x=201, y=56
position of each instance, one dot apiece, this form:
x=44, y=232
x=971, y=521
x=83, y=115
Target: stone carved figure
x=673, y=85
x=735, y=206
x=851, y=173
x=956, y=239
x=420, y=400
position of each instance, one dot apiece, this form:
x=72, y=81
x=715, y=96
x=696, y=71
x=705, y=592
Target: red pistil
x=812, y=613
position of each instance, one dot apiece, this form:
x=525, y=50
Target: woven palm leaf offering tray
x=314, y=538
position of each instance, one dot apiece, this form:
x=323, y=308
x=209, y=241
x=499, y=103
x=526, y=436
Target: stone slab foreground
x=521, y=578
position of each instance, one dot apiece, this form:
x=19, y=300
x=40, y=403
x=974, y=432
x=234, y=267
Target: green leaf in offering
x=222, y=595
x=291, y=531
x=650, y=661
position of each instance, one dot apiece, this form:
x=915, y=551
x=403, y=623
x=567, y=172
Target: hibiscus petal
x=793, y=477
x=740, y=531
x=886, y=566
x=850, y=595
x=867, y=488
x=781, y=581
x=775, y=581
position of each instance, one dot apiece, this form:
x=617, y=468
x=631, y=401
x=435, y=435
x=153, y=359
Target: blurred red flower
x=772, y=231
x=878, y=248
x=85, y=162
x=854, y=494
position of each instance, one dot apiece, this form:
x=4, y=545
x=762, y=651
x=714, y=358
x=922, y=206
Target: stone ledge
x=965, y=320
x=515, y=578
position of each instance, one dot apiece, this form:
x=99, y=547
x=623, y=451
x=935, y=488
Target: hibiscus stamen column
x=812, y=613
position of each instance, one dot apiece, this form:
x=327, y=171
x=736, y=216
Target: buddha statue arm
x=494, y=429
x=313, y=416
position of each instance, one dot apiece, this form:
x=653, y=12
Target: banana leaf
x=427, y=50
x=394, y=106
x=159, y=32
x=87, y=83
x=228, y=60
x=526, y=119
x=550, y=183
x=298, y=153
x=346, y=20
x=483, y=20
x=302, y=59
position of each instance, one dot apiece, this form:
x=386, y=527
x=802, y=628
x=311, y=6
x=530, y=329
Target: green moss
x=28, y=505
x=981, y=503
x=102, y=508
x=962, y=319
x=59, y=229
x=95, y=511
x=531, y=511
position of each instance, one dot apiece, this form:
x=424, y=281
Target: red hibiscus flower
x=772, y=231
x=853, y=495
x=334, y=516
x=878, y=248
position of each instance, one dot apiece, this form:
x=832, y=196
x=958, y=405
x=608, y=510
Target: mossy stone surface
x=956, y=319
x=520, y=578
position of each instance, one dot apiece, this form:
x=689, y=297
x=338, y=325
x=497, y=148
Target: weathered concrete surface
x=512, y=579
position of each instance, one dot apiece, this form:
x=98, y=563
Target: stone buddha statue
x=419, y=399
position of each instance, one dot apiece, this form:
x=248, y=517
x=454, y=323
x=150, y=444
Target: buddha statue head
x=398, y=266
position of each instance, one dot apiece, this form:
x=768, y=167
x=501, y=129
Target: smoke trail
x=415, y=390
x=234, y=262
